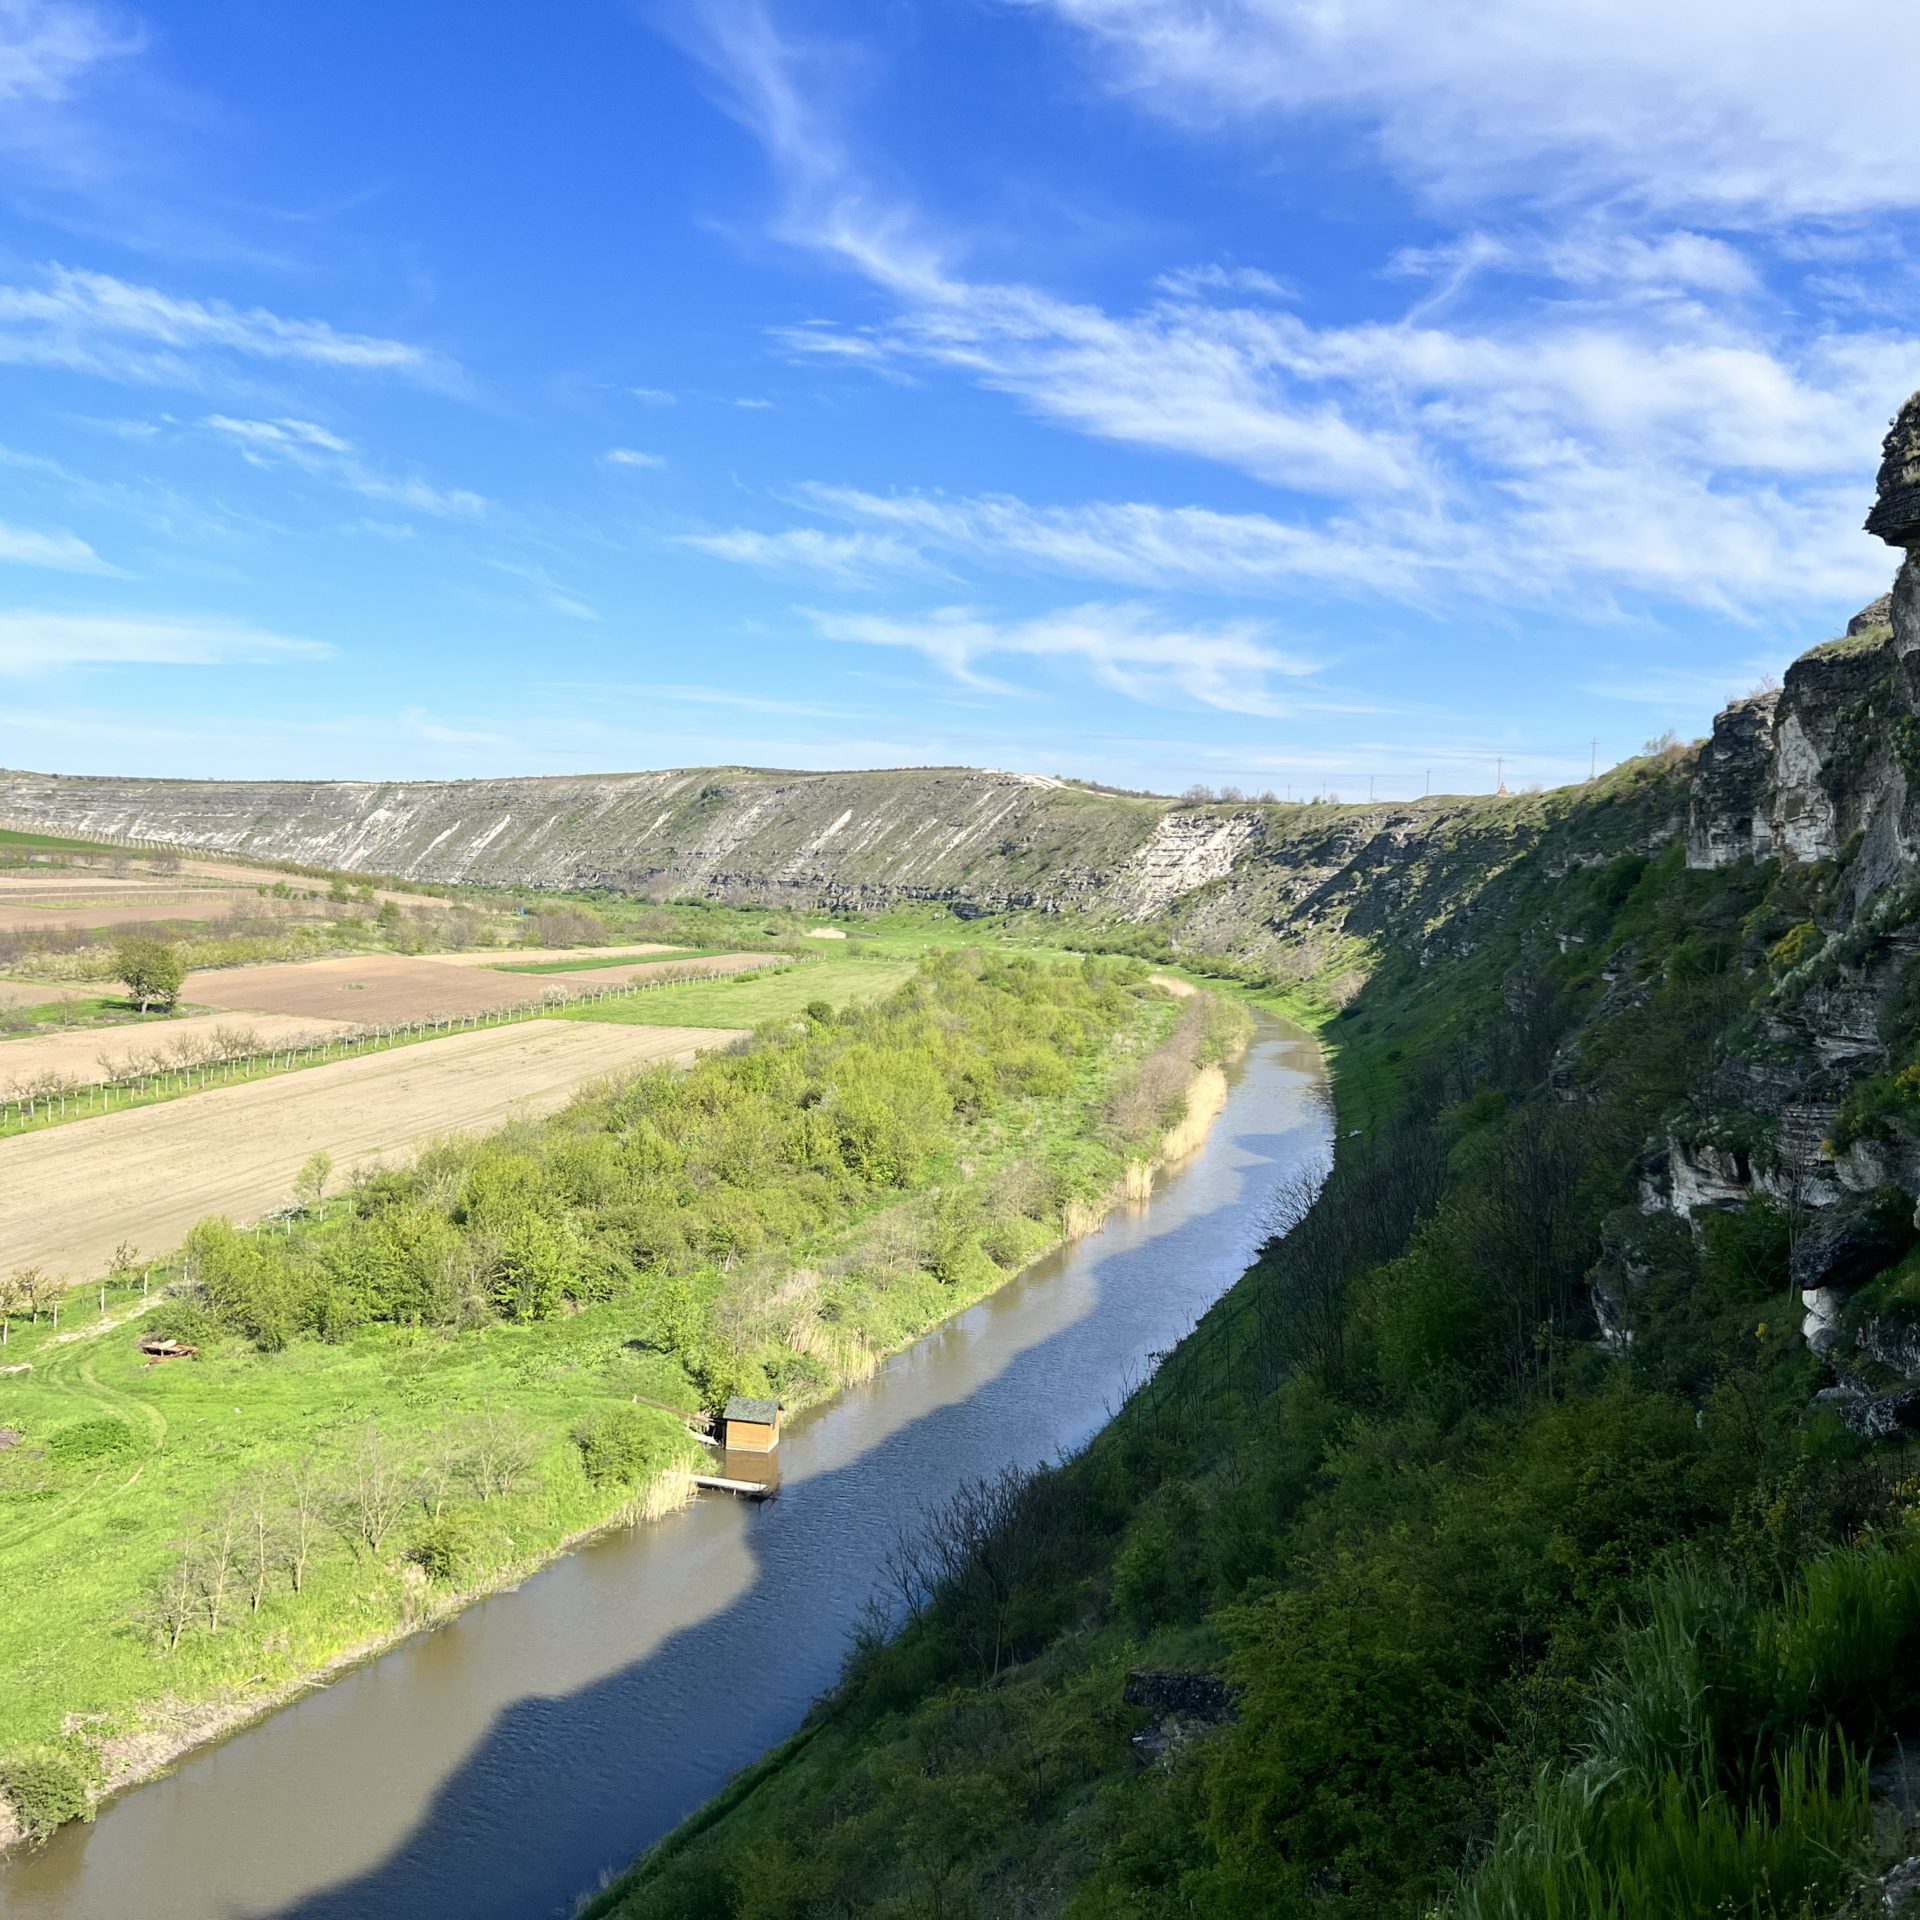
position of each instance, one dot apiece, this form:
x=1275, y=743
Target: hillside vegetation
x=420, y=1389
x=1504, y=1545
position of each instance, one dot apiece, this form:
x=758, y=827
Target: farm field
x=367, y=988
x=558, y=958
x=745, y=1003
x=381, y=988
x=73, y=911
x=590, y=979
x=70, y=1196
x=42, y=993
x=97, y=1053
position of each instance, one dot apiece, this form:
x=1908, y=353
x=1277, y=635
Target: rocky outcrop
x=1730, y=806
x=1896, y=509
x=1796, y=772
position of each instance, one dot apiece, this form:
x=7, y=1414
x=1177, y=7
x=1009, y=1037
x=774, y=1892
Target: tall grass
x=1676, y=1847
x=1725, y=1768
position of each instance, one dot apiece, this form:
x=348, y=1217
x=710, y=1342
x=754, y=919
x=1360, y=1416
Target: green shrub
x=1792, y=947
x=618, y=1447
x=444, y=1548
x=46, y=1790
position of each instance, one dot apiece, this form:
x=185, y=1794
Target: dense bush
x=618, y=1447
x=445, y=1546
x=45, y=1790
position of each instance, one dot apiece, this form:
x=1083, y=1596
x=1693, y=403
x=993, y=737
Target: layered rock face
x=1255, y=879
x=1823, y=773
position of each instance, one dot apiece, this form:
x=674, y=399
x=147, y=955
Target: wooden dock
x=746, y=1489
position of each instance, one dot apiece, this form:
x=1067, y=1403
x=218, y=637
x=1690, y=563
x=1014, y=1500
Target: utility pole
x=1369, y=789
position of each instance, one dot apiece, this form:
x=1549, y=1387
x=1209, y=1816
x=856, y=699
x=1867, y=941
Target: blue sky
x=1244, y=392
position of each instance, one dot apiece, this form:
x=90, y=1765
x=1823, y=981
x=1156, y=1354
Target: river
x=501, y=1766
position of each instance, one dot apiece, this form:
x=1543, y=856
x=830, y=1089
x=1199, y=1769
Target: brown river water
x=503, y=1765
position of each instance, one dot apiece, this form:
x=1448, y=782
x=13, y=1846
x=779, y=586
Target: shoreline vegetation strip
x=1143, y=1091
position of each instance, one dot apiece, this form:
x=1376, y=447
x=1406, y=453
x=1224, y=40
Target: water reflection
x=500, y=1765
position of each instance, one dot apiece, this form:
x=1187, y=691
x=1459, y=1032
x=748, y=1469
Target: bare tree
x=499, y=1453
x=971, y=1554
x=218, y=1558
x=303, y=1512
x=260, y=1550
x=173, y=1602
x=377, y=1488
x=445, y=1460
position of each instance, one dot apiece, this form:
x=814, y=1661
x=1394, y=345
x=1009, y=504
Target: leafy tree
x=310, y=1184
x=151, y=971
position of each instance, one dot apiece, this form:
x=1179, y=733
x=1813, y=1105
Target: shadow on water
x=739, y=1613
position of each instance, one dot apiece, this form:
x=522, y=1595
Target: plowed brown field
x=72, y=910
x=374, y=989
x=378, y=989
x=70, y=1195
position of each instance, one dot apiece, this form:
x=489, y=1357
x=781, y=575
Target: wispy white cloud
x=1702, y=689
x=440, y=733
x=1653, y=435
x=728, y=698
x=853, y=559
x=1756, y=110
x=547, y=591
x=632, y=457
x=95, y=323
x=653, y=396
x=39, y=643
x=318, y=451
x=48, y=46
x=1129, y=543
x=63, y=552
x=1232, y=666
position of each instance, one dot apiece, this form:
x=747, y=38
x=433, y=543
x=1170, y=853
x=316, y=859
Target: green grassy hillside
x=1468, y=1611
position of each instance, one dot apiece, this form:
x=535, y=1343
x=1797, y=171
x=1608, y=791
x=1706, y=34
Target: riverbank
x=559, y=1371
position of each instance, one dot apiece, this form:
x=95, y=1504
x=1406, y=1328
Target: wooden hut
x=751, y=1426
x=158, y=1350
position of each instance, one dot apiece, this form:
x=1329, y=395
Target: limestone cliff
x=1274, y=885
x=1820, y=1110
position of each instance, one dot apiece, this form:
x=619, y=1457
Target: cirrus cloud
x=34, y=643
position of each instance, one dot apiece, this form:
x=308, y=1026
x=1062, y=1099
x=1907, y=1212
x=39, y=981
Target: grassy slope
x=1392, y=1489
x=82, y=1541
x=80, y=1545
x=748, y=1000
x=602, y=960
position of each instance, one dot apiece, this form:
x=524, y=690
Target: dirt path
x=69, y=1196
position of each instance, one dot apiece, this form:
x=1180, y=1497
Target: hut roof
x=741, y=1408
